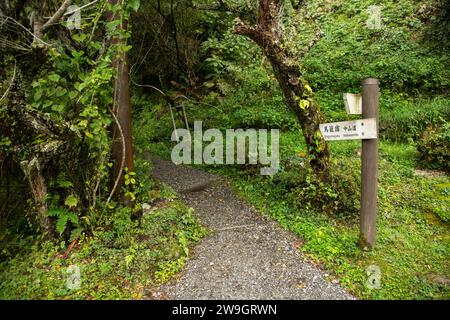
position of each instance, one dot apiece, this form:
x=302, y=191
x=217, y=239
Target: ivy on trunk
x=299, y=97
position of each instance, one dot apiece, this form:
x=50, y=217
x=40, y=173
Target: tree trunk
x=299, y=97
x=33, y=171
x=122, y=110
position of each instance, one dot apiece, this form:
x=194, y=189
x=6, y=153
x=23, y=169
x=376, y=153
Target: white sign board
x=350, y=130
x=353, y=103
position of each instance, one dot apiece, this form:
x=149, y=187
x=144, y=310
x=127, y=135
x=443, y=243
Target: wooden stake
x=369, y=170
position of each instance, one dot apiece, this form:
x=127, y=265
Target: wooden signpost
x=365, y=129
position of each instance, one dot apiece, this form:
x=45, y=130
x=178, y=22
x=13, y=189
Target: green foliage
x=71, y=201
x=338, y=196
x=442, y=202
x=412, y=244
x=350, y=51
x=264, y=113
x=123, y=260
x=149, y=128
x=63, y=216
x=71, y=87
x=134, y=4
x=434, y=148
x=168, y=269
x=120, y=257
x=404, y=118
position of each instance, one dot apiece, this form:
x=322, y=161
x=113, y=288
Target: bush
x=434, y=148
x=411, y=117
x=266, y=114
x=339, y=196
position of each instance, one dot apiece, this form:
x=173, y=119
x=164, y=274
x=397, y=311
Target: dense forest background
x=75, y=177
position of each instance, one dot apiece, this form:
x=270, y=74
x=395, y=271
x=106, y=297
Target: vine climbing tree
x=268, y=34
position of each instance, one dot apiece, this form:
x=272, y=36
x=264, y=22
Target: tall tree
x=122, y=148
x=267, y=33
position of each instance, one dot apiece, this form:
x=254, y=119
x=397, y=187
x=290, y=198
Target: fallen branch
x=66, y=254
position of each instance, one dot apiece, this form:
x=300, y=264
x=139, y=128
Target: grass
x=413, y=243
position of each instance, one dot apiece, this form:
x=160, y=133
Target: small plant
x=64, y=216
x=434, y=148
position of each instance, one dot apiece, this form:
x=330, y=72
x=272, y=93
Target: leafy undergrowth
x=413, y=244
x=124, y=261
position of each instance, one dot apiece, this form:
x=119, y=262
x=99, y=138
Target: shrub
x=339, y=196
x=434, y=148
x=410, y=118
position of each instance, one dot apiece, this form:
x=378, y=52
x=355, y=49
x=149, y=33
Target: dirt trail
x=247, y=256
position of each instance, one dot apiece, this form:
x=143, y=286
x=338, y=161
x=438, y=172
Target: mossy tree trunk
x=35, y=177
x=299, y=97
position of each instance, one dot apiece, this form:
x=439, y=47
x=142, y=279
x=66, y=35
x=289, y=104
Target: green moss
x=304, y=104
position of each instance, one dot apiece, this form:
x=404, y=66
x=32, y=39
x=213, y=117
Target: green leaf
x=304, y=104
x=63, y=183
x=73, y=218
x=61, y=224
x=54, y=77
x=55, y=212
x=71, y=201
x=75, y=233
x=128, y=260
x=58, y=108
x=5, y=142
x=73, y=95
x=38, y=94
x=60, y=91
x=80, y=37
x=134, y=4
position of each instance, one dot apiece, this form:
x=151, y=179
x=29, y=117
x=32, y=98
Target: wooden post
x=369, y=170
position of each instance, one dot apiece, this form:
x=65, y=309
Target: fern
x=63, y=216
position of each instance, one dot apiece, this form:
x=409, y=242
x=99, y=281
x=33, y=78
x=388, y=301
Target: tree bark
x=299, y=97
x=122, y=110
x=33, y=170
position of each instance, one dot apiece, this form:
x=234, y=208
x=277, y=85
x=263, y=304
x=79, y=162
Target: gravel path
x=247, y=256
